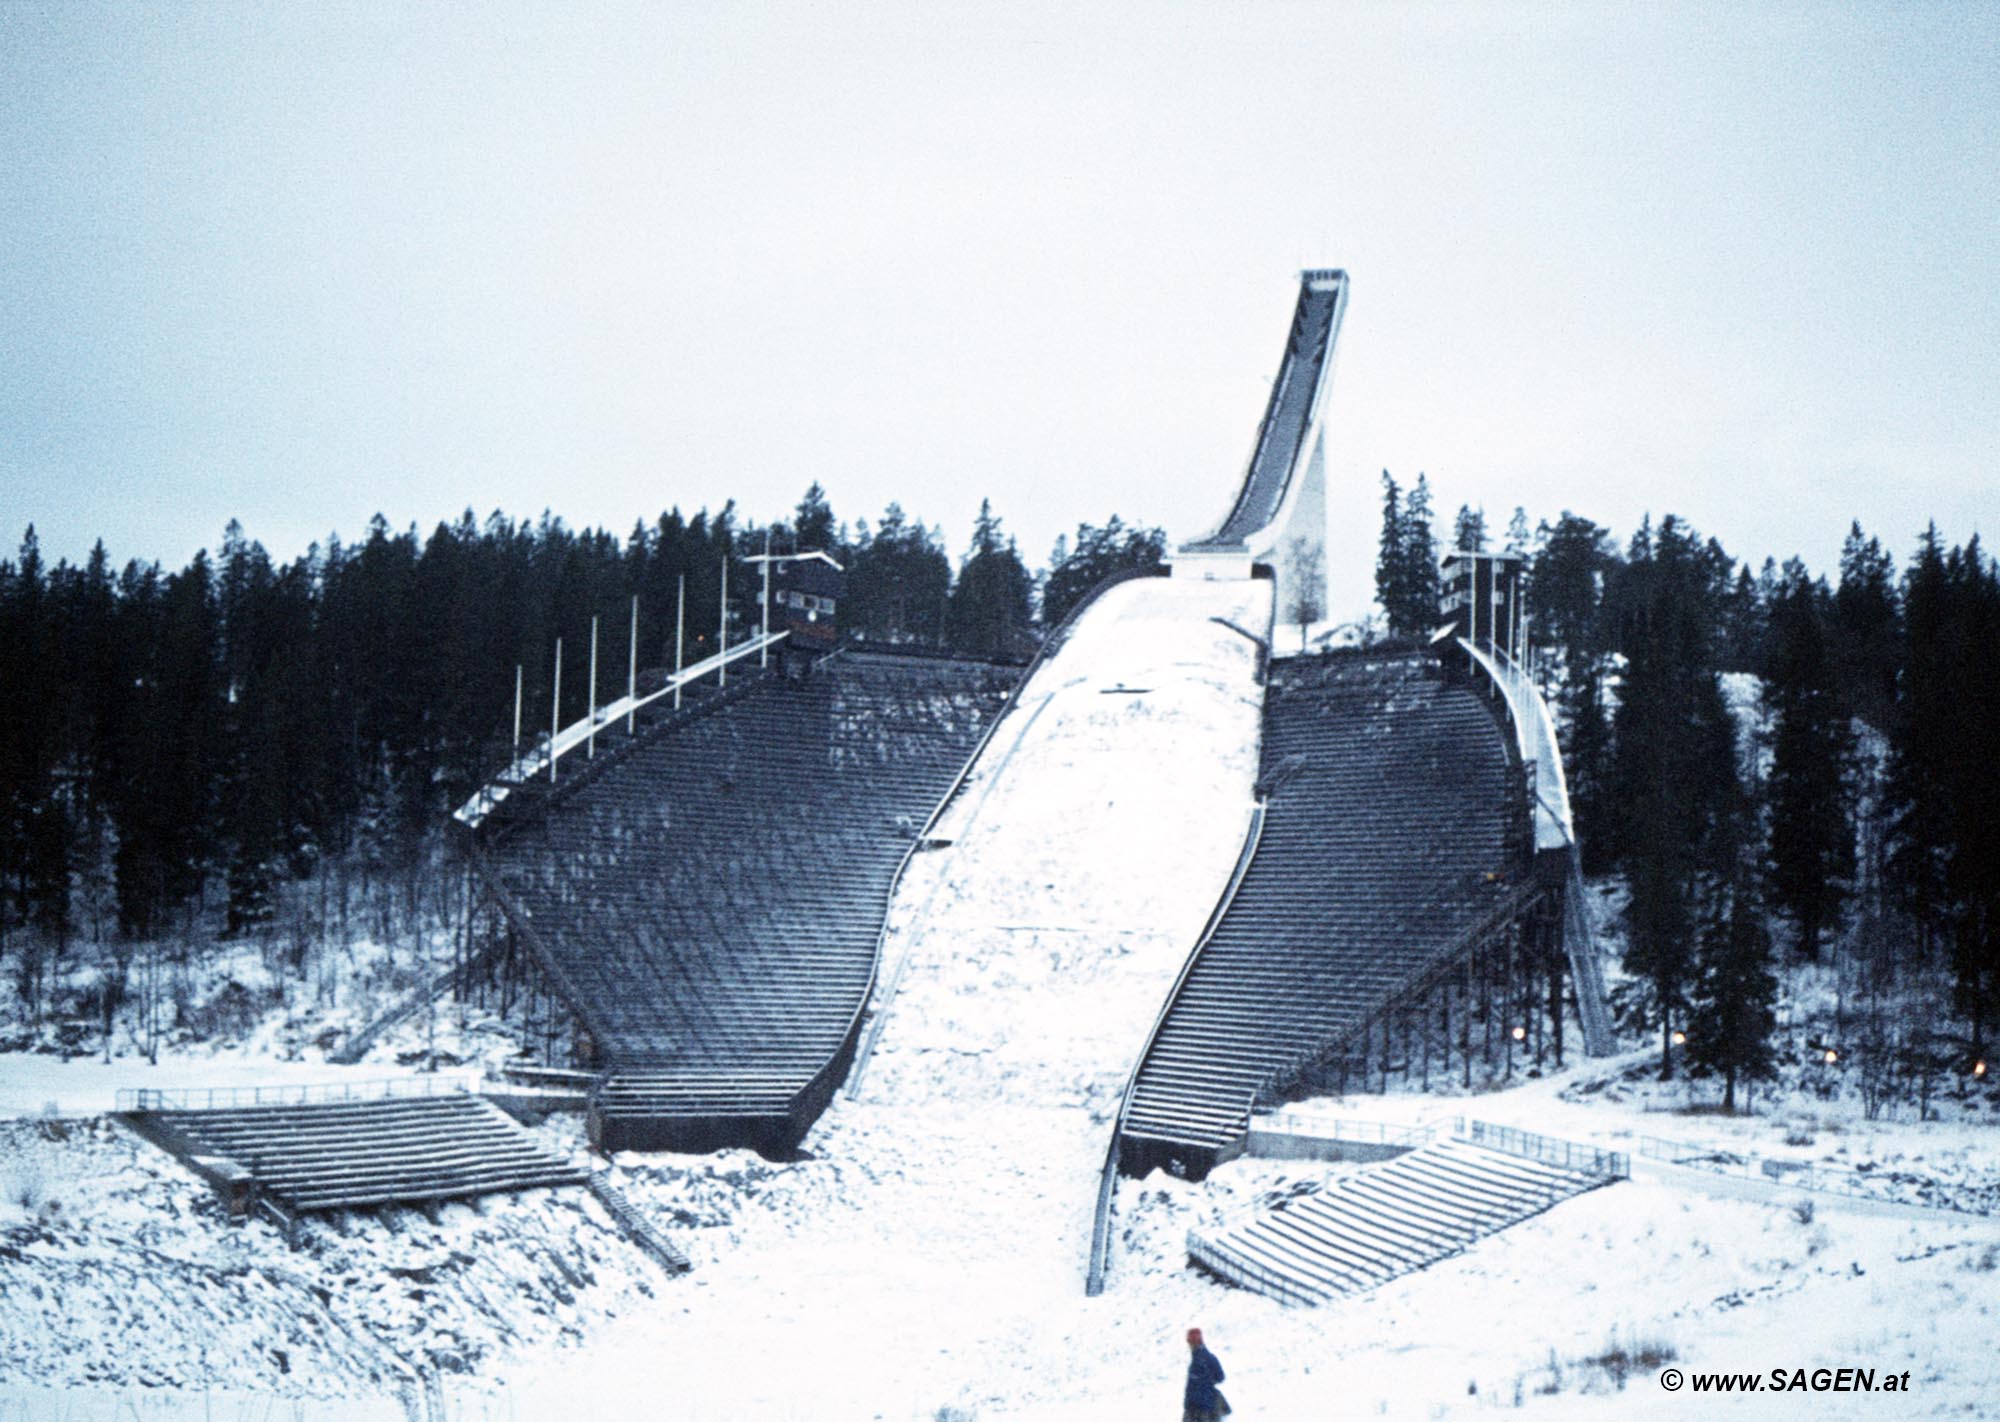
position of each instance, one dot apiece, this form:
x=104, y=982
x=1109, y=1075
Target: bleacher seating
x=1386, y=1220
x=1390, y=832
x=710, y=904
x=327, y=1155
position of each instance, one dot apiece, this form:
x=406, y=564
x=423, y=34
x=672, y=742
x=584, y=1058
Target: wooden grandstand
x=708, y=899
x=292, y=1151
x=1392, y=862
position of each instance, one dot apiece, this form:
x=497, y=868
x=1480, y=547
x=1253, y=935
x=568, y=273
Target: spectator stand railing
x=546, y=753
x=1313, y=1126
x=235, y=1098
x=1549, y=1150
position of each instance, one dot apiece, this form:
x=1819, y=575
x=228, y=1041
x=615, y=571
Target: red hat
x=1194, y=1336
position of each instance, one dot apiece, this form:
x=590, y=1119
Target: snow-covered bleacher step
x=1390, y=1219
x=346, y=1154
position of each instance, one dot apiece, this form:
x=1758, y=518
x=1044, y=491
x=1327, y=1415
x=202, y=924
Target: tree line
x=178, y=745
x=1862, y=808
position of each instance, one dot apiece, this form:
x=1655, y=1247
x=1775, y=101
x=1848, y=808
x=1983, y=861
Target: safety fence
x=1335, y=1128
x=230, y=1098
x=1565, y=1155
x=1817, y=1176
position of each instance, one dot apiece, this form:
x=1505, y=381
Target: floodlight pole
x=764, y=652
x=590, y=735
x=680, y=633
x=555, y=713
x=722, y=636
x=515, y=769
x=632, y=673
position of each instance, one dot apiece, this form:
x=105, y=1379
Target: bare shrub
x=1622, y=1357
x=26, y=1185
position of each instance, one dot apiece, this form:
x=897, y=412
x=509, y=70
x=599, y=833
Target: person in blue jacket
x=1203, y=1401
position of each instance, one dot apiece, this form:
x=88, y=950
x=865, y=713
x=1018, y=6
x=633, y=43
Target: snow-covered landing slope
x=931, y=1253
x=1086, y=851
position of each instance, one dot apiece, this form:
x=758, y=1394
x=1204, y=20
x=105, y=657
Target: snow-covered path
x=1088, y=848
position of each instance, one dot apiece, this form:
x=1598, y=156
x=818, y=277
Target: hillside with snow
x=923, y=1257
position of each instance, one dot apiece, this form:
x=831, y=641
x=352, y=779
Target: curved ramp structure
x=1555, y=831
x=710, y=902
x=1392, y=844
x=1279, y=513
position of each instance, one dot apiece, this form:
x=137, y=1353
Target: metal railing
x=1549, y=1150
x=536, y=760
x=223, y=1098
x=1232, y=1267
x=1334, y=1128
x=1816, y=1176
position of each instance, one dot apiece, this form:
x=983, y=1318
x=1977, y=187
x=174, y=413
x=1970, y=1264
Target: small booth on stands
x=802, y=593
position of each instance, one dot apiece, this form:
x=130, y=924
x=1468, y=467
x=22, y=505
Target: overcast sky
x=299, y=263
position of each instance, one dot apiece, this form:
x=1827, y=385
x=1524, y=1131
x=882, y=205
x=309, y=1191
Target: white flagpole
x=722, y=636
x=632, y=672
x=591, y=734
x=680, y=634
x=516, y=768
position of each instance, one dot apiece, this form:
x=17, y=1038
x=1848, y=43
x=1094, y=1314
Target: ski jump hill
x=705, y=889
x=698, y=883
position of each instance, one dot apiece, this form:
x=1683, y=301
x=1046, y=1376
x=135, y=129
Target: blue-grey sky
x=296, y=263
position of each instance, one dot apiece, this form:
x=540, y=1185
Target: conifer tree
x=1390, y=582
x=1568, y=576
x=991, y=603
x=1420, y=561
x=1468, y=530
x=1735, y=994
x=1811, y=843
x=1099, y=553
x=813, y=525
x=898, y=583
x=1673, y=783
x=1867, y=629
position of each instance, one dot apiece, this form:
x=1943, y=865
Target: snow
x=924, y=1257
x=939, y=1262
